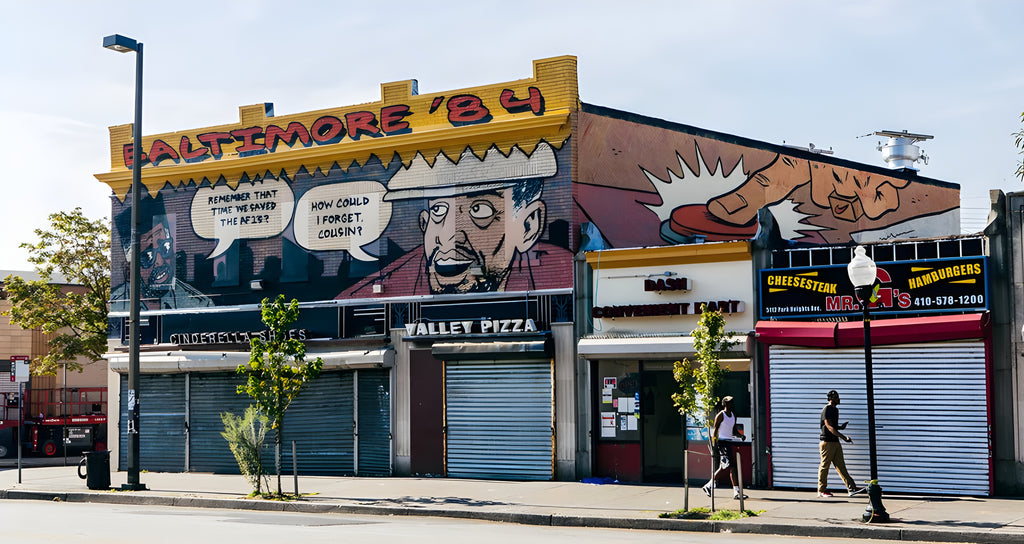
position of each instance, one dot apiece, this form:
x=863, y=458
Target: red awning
x=883, y=331
x=797, y=333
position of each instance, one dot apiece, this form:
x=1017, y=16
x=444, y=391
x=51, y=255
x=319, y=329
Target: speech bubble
x=342, y=216
x=253, y=211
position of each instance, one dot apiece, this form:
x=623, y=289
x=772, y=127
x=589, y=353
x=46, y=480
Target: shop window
x=972, y=247
x=882, y=254
x=841, y=255
x=949, y=248
x=906, y=252
x=780, y=259
x=363, y=321
x=799, y=258
x=735, y=385
x=927, y=251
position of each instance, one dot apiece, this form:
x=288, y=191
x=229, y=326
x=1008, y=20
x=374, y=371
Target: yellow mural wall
x=402, y=122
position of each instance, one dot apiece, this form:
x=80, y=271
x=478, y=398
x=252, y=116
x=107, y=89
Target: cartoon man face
x=480, y=213
x=470, y=240
x=156, y=257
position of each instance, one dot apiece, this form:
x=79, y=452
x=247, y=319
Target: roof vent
x=900, y=151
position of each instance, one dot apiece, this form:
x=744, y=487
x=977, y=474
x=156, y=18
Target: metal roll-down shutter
x=931, y=415
x=209, y=396
x=321, y=421
x=161, y=423
x=499, y=419
x=374, y=416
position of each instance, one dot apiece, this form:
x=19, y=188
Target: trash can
x=97, y=469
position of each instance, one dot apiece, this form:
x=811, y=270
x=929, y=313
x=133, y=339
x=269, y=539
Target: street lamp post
x=862, y=272
x=123, y=44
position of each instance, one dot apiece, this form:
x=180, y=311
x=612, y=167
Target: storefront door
x=661, y=427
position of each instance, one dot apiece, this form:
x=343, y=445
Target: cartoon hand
x=850, y=194
x=766, y=186
x=854, y=193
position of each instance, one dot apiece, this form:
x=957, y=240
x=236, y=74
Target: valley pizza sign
x=957, y=285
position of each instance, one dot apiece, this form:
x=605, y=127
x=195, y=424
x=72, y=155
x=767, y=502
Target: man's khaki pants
x=832, y=454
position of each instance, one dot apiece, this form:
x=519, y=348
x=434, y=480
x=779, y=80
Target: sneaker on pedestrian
x=856, y=491
x=824, y=495
x=707, y=490
x=739, y=496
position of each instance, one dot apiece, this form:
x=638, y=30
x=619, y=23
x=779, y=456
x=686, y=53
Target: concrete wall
x=1006, y=246
x=400, y=411
x=565, y=401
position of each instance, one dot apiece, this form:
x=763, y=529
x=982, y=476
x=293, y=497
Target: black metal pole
x=876, y=511
x=869, y=383
x=134, y=295
x=63, y=412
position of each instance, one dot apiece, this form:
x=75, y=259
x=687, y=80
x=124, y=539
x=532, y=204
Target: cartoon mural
x=474, y=190
x=160, y=288
x=496, y=223
x=459, y=192
x=653, y=183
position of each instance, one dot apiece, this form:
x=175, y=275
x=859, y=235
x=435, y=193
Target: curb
x=522, y=518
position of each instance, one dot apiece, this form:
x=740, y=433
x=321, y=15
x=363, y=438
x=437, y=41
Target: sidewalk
x=940, y=519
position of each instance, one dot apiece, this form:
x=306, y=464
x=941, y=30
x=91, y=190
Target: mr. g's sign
x=906, y=287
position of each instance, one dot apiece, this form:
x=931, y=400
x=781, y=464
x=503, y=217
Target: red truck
x=52, y=419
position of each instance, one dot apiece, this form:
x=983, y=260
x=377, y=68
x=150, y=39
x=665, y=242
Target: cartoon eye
x=438, y=212
x=165, y=246
x=481, y=209
x=147, y=257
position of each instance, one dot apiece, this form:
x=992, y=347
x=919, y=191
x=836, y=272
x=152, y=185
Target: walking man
x=724, y=436
x=832, y=450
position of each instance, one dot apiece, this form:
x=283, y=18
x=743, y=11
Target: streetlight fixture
x=862, y=271
x=123, y=44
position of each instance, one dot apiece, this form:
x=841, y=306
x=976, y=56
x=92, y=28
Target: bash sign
x=908, y=287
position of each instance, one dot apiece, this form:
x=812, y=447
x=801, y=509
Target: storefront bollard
x=686, y=481
x=876, y=511
x=295, y=469
x=739, y=478
x=97, y=469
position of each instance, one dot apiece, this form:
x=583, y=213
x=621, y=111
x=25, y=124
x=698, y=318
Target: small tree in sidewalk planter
x=245, y=435
x=698, y=380
x=277, y=368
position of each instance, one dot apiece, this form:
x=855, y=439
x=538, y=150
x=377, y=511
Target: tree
x=245, y=436
x=697, y=394
x=1020, y=144
x=277, y=369
x=76, y=249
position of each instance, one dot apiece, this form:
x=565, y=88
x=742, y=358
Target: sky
x=785, y=71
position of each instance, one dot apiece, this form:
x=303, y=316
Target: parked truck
x=52, y=421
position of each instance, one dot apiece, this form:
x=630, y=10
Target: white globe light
x=861, y=269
